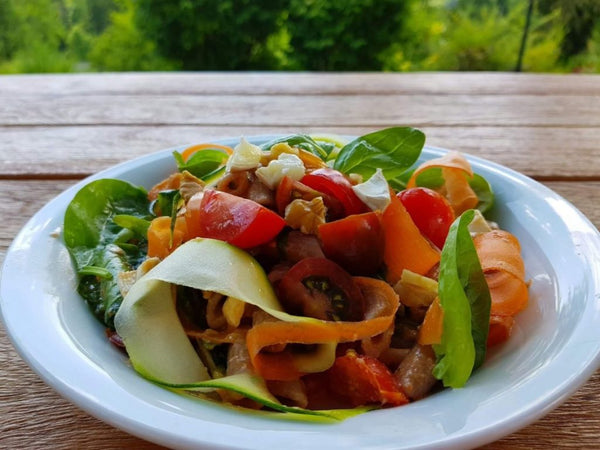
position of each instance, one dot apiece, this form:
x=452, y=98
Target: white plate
x=555, y=346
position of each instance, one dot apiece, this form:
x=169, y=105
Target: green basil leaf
x=465, y=299
x=484, y=192
x=202, y=163
x=166, y=202
x=393, y=150
x=90, y=234
x=139, y=226
x=302, y=141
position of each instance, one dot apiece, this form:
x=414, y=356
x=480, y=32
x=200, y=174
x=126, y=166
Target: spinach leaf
x=484, y=192
x=101, y=246
x=432, y=178
x=137, y=225
x=302, y=141
x=166, y=202
x=202, y=164
x=393, y=150
x=465, y=299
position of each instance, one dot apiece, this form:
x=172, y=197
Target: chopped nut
x=125, y=280
x=306, y=216
x=190, y=185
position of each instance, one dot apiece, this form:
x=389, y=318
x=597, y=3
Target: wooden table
x=56, y=129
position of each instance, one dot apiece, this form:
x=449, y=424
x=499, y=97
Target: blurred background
x=39, y=36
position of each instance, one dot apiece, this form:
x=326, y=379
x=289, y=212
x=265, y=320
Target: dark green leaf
x=465, y=299
x=138, y=225
x=301, y=141
x=96, y=271
x=484, y=192
x=202, y=163
x=90, y=234
x=166, y=202
x=393, y=150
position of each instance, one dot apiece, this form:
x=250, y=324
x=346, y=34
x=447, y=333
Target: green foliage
x=577, y=18
x=588, y=60
x=392, y=35
x=33, y=37
x=475, y=37
x=349, y=35
x=101, y=248
x=123, y=47
x=209, y=34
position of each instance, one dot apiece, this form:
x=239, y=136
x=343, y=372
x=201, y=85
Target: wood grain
x=274, y=83
x=293, y=110
x=77, y=151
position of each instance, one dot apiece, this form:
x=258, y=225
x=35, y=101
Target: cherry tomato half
x=430, y=211
x=335, y=184
x=239, y=221
x=354, y=242
x=319, y=288
x=365, y=380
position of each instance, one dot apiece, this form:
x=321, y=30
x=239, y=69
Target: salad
x=307, y=277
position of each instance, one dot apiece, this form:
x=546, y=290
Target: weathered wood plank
x=297, y=83
x=291, y=110
x=80, y=150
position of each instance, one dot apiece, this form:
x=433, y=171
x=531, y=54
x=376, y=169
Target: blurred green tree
x=9, y=36
x=212, y=34
x=122, y=46
x=348, y=35
x=35, y=37
x=578, y=18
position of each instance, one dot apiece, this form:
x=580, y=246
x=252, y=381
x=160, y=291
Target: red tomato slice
x=365, y=380
x=430, y=211
x=319, y=288
x=354, y=242
x=192, y=215
x=335, y=184
x=239, y=221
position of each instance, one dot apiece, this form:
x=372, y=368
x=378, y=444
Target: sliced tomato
x=192, y=215
x=239, y=221
x=365, y=380
x=354, y=242
x=430, y=211
x=336, y=185
x=319, y=288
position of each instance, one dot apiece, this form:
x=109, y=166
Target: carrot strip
x=405, y=247
x=188, y=152
x=456, y=172
x=160, y=241
x=281, y=365
x=433, y=325
x=509, y=294
x=458, y=191
x=173, y=181
x=500, y=256
x=500, y=250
